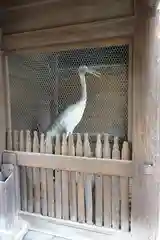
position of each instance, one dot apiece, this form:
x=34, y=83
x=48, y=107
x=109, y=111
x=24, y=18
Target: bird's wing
x=67, y=121
x=56, y=128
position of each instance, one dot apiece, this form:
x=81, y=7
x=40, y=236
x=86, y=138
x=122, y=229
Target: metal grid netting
x=43, y=85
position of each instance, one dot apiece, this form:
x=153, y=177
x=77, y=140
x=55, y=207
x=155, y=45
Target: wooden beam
x=145, y=131
x=70, y=229
x=70, y=35
x=16, y=4
x=2, y=101
x=80, y=164
x=50, y=14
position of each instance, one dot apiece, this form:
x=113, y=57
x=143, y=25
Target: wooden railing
x=93, y=190
x=33, y=141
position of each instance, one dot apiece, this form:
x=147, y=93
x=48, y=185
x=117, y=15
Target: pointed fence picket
x=124, y=190
x=23, y=172
x=107, y=186
x=29, y=174
x=58, y=181
x=116, y=188
x=77, y=196
x=50, y=181
x=43, y=180
x=36, y=177
x=89, y=200
x=65, y=182
x=72, y=180
x=80, y=183
x=98, y=186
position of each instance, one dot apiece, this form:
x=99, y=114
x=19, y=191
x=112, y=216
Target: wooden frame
x=82, y=165
x=145, y=219
x=69, y=163
x=58, y=204
x=130, y=93
x=63, y=38
x=52, y=14
x=11, y=227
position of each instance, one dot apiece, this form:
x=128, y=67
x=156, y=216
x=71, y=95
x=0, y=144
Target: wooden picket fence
x=87, y=198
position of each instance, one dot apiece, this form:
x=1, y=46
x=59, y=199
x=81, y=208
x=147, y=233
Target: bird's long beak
x=94, y=72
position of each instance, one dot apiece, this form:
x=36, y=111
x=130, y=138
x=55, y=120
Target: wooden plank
x=12, y=159
x=58, y=182
x=36, y=177
x=98, y=186
x=21, y=141
x=80, y=183
x=126, y=153
x=80, y=164
x=124, y=191
x=63, y=13
x=146, y=137
x=124, y=204
x=13, y=5
x=116, y=189
x=50, y=182
x=23, y=176
x=65, y=183
x=88, y=184
x=138, y=158
x=72, y=182
x=3, y=124
x=7, y=94
x=60, y=36
x=130, y=93
x=23, y=188
x=72, y=230
x=107, y=186
x=9, y=140
x=113, y=41
x=29, y=174
x=3, y=208
x=43, y=180
x=20, y=177
x=15, y=140
x=17, y=187
x=18, y=5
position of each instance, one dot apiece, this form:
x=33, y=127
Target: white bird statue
x=69, y=119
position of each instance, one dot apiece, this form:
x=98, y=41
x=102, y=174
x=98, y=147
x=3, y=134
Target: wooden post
x=2, y=102
x=13, y=227
x=145, y=130
x=157, y=77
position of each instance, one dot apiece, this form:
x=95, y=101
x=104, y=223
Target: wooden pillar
x=146, y=134
x=157, y=77
x=2, y=101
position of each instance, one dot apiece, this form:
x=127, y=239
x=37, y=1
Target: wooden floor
x=32, y=235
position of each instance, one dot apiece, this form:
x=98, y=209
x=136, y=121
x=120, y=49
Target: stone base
x=17, y=233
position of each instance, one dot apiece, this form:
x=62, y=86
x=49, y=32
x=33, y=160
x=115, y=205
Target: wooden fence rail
x=63, y=178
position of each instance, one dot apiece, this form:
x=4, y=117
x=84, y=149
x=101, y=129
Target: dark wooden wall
x=28, y=24
x=61, y=13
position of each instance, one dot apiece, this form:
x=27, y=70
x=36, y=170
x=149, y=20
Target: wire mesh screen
x=42, y=86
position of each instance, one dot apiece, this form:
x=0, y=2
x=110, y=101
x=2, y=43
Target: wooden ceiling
x=24, y=3
x=15, y=3
x=26, y=22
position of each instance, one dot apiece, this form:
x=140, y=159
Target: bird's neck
x=84, y=88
